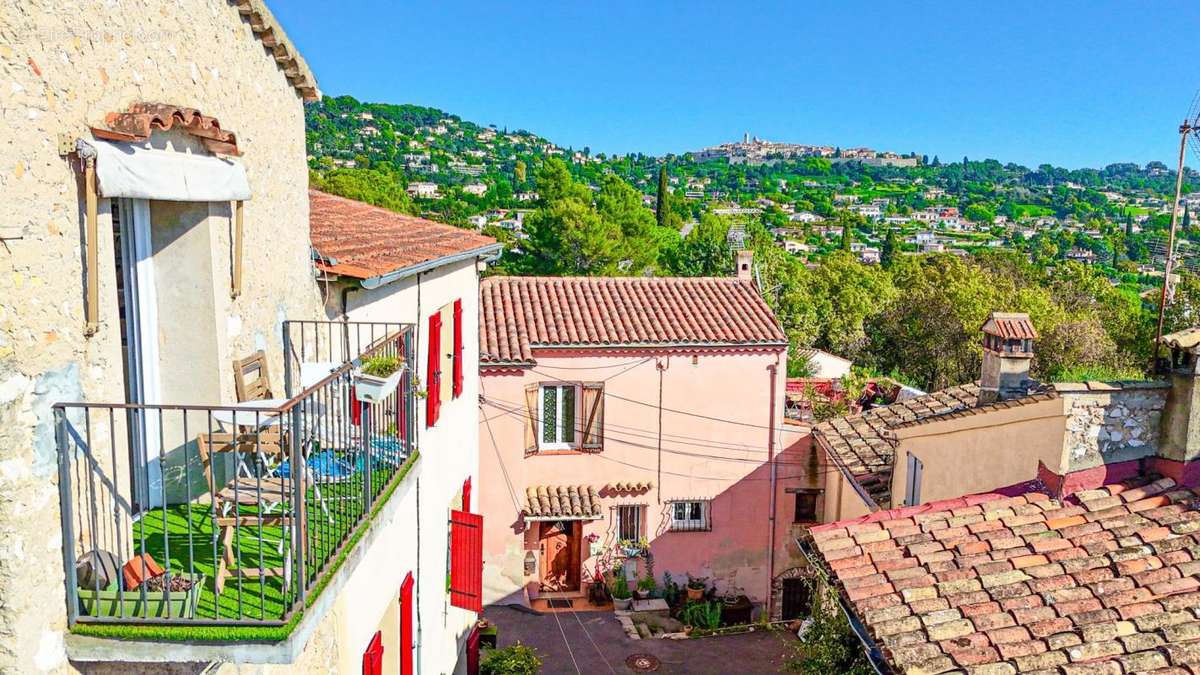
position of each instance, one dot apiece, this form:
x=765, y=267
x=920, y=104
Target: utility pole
x=1184, y=130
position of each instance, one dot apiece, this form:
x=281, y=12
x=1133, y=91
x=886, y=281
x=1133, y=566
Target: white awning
x=136, y=171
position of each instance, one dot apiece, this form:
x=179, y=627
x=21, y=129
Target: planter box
x=375, y=389
x=108, y=602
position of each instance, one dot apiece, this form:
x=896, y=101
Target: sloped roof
x=266, y=28
x=1105, y=581
x=864, y=444
x=518, y=314
x=362, y=241
x=1010, y=326
x=142, y=119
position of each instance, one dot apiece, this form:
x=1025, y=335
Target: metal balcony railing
x=230, y=514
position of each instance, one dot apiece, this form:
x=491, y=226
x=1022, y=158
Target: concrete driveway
x=599, y=646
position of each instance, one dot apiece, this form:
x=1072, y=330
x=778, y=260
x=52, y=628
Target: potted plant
x=695, y=587
x=179, y=601
x=622, y=597
x=646, y=587
x=377, y=378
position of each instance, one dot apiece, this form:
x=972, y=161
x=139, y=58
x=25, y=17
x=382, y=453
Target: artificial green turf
x=261, y=601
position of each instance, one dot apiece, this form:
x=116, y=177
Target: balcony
x=225, y=522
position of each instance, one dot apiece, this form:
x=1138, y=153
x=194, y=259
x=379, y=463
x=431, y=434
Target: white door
x=139, y=316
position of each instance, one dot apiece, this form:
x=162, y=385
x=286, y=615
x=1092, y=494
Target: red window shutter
x=355, y=408
x=433, y=398
x=467, y=495
x=473, y=652
x=458, y=349
x=406, y=626
x=466, y=560
x=373, y=657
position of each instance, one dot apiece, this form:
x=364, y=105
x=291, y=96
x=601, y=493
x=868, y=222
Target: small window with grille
x=691, y=515
x=629, y=523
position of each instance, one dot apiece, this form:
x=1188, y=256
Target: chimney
x=1007, y=350
x=745, y=260
x=1180, y=429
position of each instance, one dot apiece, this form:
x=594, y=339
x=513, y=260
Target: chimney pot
x=745, y=265
x=1008, y=339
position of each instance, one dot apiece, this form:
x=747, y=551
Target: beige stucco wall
x=976, y=453
x=63, y=65
x=841, y=501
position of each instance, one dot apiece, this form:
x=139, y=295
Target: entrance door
x=560, y=555
x=797, y=598
x=138, y=304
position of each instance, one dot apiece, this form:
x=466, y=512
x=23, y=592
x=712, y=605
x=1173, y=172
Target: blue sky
x=1069, y=83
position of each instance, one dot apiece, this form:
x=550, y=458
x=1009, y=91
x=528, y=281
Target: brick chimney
x=745, y=265
x=1007, y=350
x=1180, y=429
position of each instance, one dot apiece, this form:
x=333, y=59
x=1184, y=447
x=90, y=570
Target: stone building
x=154, y=231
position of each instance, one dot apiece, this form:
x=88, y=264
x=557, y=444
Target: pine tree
x=663, y=206
x=890, y=244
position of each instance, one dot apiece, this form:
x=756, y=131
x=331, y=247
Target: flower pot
x=622, y=603
x=695, y=594
x=375, y=389
x=112, y=602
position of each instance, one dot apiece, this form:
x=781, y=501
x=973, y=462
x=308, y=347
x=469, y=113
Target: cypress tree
x=1187, y=219
x=888, y=255
x=663, y=205
x=847, y=237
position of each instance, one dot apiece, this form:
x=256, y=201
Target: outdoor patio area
x=594, y=642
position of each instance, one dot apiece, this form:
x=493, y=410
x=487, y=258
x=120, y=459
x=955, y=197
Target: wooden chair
x=257, y=492
x=253, y=366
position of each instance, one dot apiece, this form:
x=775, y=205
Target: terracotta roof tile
x=520, y=314
x=1122, y=607
x=562, y=501
x=142, y=119
x=359, y=240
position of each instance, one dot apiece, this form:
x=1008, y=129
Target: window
x=690, y=516
x=558, y=416
x=373, y=657
x=912, y=491
x=466, y=560
x=564, y=416
x=629, y=522
x=433, y=385
x=806, y=506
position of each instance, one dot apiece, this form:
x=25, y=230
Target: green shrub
x=381, y=366
x=829, y=645
x=702, y=615
x=515, y=659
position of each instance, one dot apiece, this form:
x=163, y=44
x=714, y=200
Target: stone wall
x=63, y=66
x=1111, y=422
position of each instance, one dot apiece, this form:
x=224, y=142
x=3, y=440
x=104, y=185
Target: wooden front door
x=560, y=555
x=797, y=598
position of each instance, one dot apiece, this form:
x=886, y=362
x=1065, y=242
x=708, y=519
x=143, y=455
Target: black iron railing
x=230, y=514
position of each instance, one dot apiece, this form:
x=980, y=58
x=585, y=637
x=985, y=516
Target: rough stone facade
x=63, y=66
x=1111, y=422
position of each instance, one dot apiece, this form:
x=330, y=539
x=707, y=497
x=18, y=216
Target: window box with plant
x=378, y=377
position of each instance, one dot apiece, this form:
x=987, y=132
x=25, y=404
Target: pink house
x=617, y=411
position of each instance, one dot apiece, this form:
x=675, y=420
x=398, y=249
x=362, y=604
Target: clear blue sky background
x=1069, y=83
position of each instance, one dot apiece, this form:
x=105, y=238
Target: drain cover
x=559, y=603
x=642, y=663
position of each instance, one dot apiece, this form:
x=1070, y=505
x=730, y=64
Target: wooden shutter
x=531, y=425
x=466, y=492
x=593, y=416
x=406, y=626
x=912, y=489
x=433, y=386
x=458, y=349
x=466, y=560
x=373, y=657
x=473, y=652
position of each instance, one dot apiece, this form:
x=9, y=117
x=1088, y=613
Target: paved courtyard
x=599, y=645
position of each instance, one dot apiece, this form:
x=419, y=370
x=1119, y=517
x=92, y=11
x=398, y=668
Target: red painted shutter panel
x=373, y=657
x=467, y=495
x=433, y=398
x=406, y=626
x=473, y=652
x=466, y=560
x=458, y=349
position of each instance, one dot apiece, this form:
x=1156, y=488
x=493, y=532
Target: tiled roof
x=562, y=501
x=865, y=445
x=518, y=314
x=268, y=31
x=1105, y=582
x=1010, y=326
x=142, y=119
x=362, y=241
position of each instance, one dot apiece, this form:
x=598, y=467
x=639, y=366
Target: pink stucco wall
x=734, y=387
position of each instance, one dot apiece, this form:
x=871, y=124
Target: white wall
x=449, y=454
